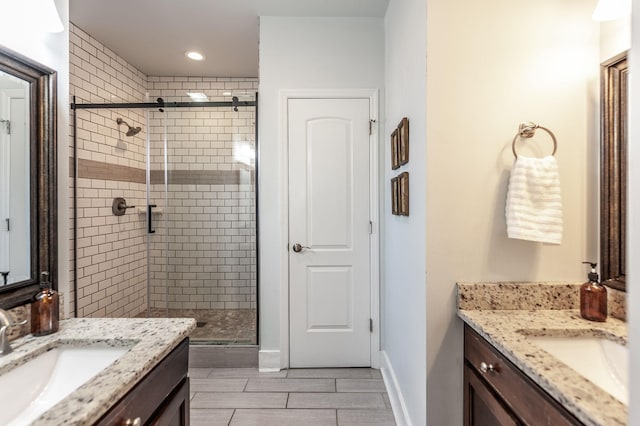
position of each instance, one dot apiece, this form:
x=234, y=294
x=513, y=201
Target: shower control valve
x=119, y=206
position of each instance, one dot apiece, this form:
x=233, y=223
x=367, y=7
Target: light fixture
x=610, y=10
x=193, y=55
x=198, y=97
x=32, y=15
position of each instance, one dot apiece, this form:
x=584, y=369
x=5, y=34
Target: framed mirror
x=613, y=171
x=27, y=177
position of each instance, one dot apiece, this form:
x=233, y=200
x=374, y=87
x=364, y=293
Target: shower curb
x=221, y=356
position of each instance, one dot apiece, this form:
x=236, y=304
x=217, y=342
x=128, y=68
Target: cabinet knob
x=486, y=368
x=135, y=422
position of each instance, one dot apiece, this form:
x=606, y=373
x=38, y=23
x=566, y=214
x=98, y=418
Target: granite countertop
x=152, y=340
x=507, y=330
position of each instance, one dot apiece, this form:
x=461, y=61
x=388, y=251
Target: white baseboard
x=395, y=394
x=269, y=361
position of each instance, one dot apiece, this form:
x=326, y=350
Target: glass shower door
x=185, y=245
x=157, y=214
x=202, y=252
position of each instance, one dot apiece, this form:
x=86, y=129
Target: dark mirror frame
x=43, y=156
x=613, y=171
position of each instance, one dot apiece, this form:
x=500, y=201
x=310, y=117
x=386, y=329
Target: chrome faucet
x=6, y=321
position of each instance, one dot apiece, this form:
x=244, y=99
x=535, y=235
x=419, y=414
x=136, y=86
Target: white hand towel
x=534, y=204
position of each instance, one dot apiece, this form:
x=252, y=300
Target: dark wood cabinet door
x=481, y=406
x=517, y=394
x=175, y=410
x=161, y=397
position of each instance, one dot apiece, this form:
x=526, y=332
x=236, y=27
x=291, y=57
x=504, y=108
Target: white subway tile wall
x=112, y=260
x=111, y=263
x=207, y=227
x=209, y=224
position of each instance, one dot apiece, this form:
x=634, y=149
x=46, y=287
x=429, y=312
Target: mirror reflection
x=613, y=172
x=15, y=247
x=27, y=177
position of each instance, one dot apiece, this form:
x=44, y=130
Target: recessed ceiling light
x=196, y=56
x=198, y=97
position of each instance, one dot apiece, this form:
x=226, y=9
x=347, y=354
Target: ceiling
x=153, y=35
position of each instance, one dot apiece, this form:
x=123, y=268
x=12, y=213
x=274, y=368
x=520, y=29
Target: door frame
x=374, y=240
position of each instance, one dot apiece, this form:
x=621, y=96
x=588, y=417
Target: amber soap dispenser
x=593, y=297
x=45, y=309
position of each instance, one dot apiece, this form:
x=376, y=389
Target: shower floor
x=215, y=326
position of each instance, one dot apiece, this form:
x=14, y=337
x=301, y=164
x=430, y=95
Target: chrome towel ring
x=526, y=130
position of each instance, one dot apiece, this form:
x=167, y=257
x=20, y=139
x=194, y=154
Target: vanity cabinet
x=160, y=398
x=496, y=392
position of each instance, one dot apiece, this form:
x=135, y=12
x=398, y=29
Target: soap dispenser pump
x=593, y=297
x=45, y=309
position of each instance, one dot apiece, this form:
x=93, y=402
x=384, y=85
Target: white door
x=329, y=282
x=15, y=244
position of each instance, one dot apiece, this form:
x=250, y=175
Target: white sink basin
x=32, y=388
x=603, y=362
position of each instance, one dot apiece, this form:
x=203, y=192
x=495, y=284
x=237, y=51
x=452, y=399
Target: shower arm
x=132, y=130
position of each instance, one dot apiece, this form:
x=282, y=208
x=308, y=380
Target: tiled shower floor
x=215, y=326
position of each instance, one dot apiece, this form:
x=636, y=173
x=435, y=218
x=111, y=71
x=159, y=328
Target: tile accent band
x=89, y=169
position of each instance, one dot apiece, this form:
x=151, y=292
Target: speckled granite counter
x=152, y=340
x=525, y=295
x=506, y=330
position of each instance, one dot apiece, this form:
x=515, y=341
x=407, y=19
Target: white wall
x=490, y=66
x=634, y=220
x=404, y=286
x=300, y=53
x=52, y=50
x=615, y=37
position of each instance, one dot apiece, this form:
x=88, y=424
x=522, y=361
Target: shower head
x=132, y=131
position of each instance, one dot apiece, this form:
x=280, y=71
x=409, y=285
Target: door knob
x=297, y=247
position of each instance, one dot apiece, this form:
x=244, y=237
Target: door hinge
x=370, y=227
x=370, y=325
x=8, y=224
x=371, y=121
x=8, y=124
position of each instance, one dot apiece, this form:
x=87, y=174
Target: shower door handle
x=150, y=218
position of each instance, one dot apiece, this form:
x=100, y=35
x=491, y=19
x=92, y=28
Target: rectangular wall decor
x=400, y=194
x=400, y=157
x=395, y=149
x=403, y=136
x=403, y=191
x=394, y=195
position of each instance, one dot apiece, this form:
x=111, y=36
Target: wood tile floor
x=298, y=397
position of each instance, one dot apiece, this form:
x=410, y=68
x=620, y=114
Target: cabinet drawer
x=531, y=404
x=151, y=392
x=481, y=407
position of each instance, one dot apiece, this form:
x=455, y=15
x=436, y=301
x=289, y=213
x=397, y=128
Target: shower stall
x=165, y=213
